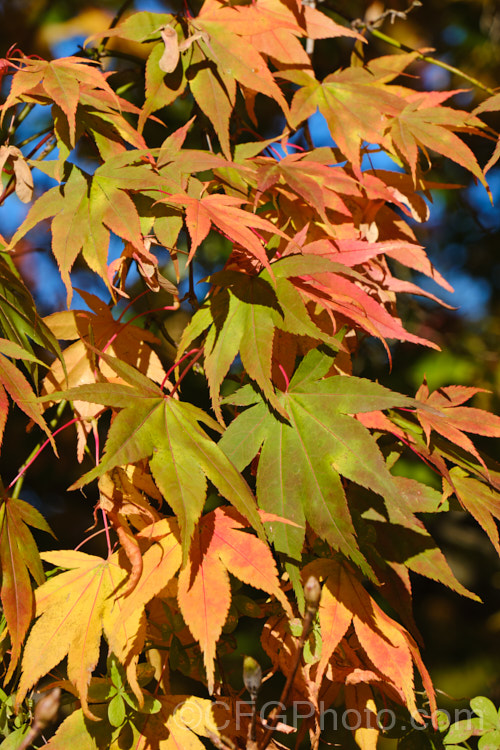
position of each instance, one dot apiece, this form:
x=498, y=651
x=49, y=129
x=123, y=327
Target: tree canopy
x=201, y=363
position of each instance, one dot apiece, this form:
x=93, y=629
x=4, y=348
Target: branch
x=312, y=595
x=114, y=22
x=402, y=14
x=432, y=60
x=371, y=26
x=46, y=711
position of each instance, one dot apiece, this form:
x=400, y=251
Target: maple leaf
x=188, y=721
x=317, y=183
x=302, y=460
x=13, y=382
x=310, y=272
x=167, y=432
x=278, y=26
x=359, y=698
x=18, y=558
x=491, y=104
x=220, y=544
x=409, y=545
x=20, y=321
x=355, y=109
x=223, y=211
x=424, y=123
x=479, y=499
x=242, y=317
x=160, y=563
x=231, y=51
x=60, y=81
x=76, y=731
x=80, y=365
x=389, y=647
x=73, y=608
x=204, y=591
x=160, y=89
x=451, y=420
x=85, y=209
x=324, y=281
x=100, y=115
x=214, y=91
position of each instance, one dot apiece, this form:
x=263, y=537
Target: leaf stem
x=129, y=305
x=285, y=376
x=88, y=538
x=185, y=372
x=31, y=138
x=139, y=315
x=176, y=364
x=97, y=459
x=19, y=479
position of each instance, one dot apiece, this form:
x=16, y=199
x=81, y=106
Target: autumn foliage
x=216, y=514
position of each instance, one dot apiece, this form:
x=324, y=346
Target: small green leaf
x=443, y=721
x=461, y=731
x=151, y=705
x=116, y=711
x=115, y=672
x=246, y=606
x=14, y=739
x=486, y=711
x=489, y=741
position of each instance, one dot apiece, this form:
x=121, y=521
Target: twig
x=46, y=711
x=393, y=14
x=433, y=61
x=309, y=41
x=370, y=26
x=19, y=479
x=11, y=185
x=115, y=22
x=312, y=595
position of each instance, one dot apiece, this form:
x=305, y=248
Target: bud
x=252, y=676
x=47, y=708
x=312, y=593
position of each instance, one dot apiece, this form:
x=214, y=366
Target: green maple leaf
x=18, y=558
x=181, y=455
x=215, y=94
x=19, y=318
x=85, y=209
x=303, y=459
x=242, y=318
x=403, y=540
x=424, y=124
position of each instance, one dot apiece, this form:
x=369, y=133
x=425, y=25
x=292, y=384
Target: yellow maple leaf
x=73, y=609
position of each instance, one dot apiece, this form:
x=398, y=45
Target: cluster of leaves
x=481, y=731
x=292, y=470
